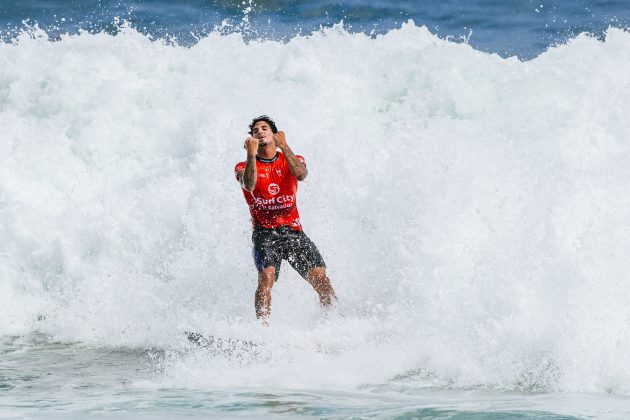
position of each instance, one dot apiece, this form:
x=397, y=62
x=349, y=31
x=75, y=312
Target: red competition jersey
x=273, y=202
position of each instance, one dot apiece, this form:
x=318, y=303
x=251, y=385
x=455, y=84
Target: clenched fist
x=280, y=139
x=251, y=145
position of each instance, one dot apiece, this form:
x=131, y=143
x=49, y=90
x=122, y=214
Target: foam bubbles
x=471, y=209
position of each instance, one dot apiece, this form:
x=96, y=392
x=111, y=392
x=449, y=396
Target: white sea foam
x=473, y=210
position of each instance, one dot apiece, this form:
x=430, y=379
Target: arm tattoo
x=249, y=177
x=297, y=168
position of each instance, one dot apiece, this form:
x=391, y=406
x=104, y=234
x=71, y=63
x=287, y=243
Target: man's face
x=262, y=131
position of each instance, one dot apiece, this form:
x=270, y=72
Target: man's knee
x=317, y=275
x=266, y=278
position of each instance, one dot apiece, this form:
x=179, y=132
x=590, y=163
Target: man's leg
x=262, y=300
x=305, y=258
x=316, y=276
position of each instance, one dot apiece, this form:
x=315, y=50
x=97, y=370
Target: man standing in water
x=269, y=180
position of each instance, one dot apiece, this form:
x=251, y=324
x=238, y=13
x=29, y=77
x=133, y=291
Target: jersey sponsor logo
x=273, y=189
x=275, y=203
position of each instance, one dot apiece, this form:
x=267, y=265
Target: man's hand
x=247, y=178
x=251, y=145
x=297, y=168
x=280, y=140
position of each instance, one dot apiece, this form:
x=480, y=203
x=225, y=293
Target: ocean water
x=468, y=172
x=524, y=28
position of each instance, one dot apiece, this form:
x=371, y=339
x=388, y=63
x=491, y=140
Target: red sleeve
x=238, y=168
x=301, y=159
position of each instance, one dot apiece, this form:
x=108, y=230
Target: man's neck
x=267, y=152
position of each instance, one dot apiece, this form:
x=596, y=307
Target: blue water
x=524, y=28
x=472, y=208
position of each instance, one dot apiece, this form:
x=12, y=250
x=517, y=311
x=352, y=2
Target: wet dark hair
x=266, y=119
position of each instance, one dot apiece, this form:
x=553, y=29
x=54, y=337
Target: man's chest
x=273, y=180
x=271, y=173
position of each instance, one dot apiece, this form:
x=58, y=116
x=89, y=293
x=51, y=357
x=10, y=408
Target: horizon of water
x=471, y=209
x=522, y=28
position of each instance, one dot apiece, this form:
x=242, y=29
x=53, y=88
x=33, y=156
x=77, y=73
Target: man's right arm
x=247, y=178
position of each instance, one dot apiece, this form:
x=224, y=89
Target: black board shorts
x=271, y=246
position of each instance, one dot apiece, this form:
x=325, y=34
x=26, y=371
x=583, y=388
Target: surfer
x=269, y=181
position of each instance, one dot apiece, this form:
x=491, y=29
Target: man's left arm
x=297, y=168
